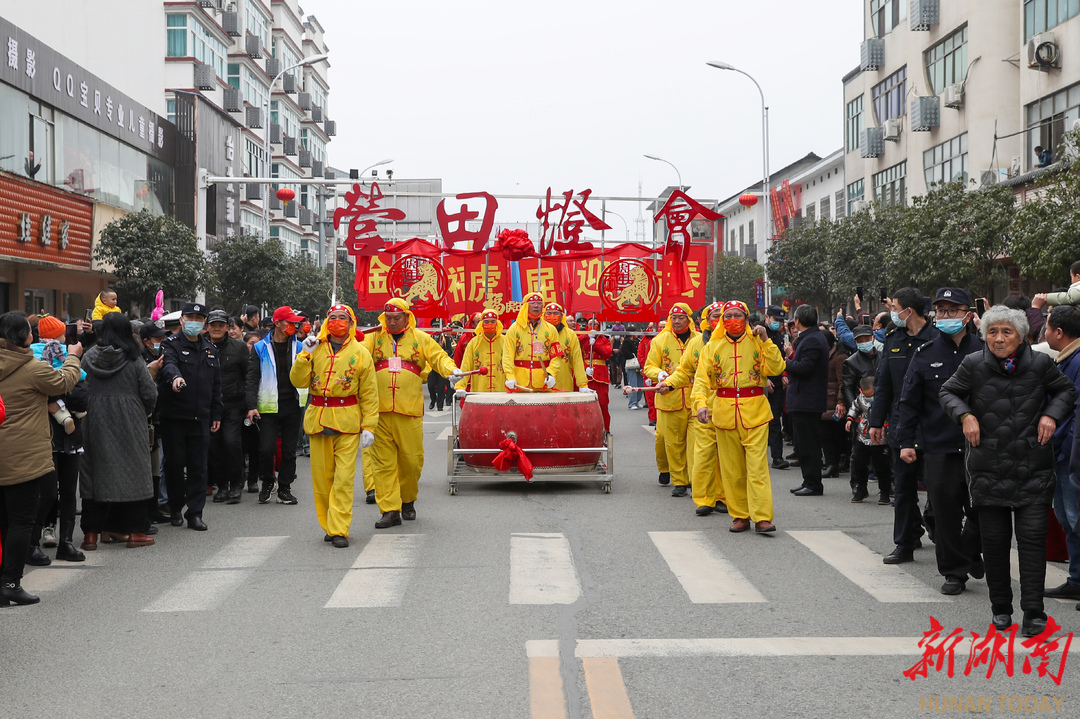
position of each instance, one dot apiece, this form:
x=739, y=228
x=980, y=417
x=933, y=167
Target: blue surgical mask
x=896, y=319
x=157, y=347
x=774, y=326
x=879, y=345
x=866, y=346
x=950, y=327
x=879, y=335
x=192, y=329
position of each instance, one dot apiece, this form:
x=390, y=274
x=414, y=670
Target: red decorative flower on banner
x=420, y=281
x=629, y=287
x=515, y=245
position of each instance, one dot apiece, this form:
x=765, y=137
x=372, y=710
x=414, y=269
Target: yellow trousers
x=399, y=457
x=333, y=470
x=744, y=466
x=707, y=489
x=671, y=431
x=367, y=462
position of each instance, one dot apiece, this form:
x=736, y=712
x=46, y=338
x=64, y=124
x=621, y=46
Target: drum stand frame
x=458, y=472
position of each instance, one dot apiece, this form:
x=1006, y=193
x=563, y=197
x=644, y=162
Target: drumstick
x=628, y=390
x=481, y=371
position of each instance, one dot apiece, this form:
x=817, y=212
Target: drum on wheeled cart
x=561, y=433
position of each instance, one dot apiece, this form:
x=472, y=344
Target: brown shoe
x=739, y=525
x=138, y=539
x=89, y=542
x=389, y=519
x=408, y=510
x=764, y=527
x=113, y=537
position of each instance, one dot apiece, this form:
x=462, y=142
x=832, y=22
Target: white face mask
x=879, y=345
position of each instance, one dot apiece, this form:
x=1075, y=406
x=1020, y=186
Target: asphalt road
x=511, y=600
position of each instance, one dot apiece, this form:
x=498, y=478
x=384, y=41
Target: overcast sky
x=511, y=97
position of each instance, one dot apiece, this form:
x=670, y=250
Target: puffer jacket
x=1009, y=468
x=833, y=393
x=857, y=366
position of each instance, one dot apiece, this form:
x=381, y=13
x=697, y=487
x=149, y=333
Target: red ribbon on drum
x=511, y=453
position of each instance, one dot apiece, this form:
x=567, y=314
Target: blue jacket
x=892, y=366
x=923, y=423
x=1063, y=437
x=845, y=335
x=808, y=373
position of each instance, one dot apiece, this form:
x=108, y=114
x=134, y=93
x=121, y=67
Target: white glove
x=592, y=340
x=366, y=439
x=511, y=384
x=662, y=376
x=549, y=382
x=310, y=343
x=589, y=372
x=460, y=394
x=648, y=382
x=456, y=374
x=586, y=390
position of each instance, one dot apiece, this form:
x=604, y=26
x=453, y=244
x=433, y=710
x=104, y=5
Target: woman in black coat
x=1010, y=399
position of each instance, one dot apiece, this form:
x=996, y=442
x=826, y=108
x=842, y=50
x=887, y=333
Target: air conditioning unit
x=288, y=84
x=253, y=46
x=871, y=142
x=872, y=54
x=858, y=206
x=304, y=158
x=288, y=145
x=316, y=113
x=316, y=168
x=275, y=133
x=1014, y=166
x=303, y=99
x=230, y=100
x=1042, y=52
x=892, y=128
x=925, y=113
x=205, y=77
x=290, y=209
x=273, y=67
x=988, y=177
x=275, y=202
x=954, y=96
x=750, y=251
x=923, y=14
x=252, y=191
x=230, y=23
x=331, y=128
x=254, y=117
x=210, y=4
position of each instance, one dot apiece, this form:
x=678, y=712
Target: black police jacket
x=899, y=348
x=923, y=423
x=857, y=366
x=197, y=362
x=233, y=358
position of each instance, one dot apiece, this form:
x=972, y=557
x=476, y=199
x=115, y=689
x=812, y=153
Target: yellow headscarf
x=397, y=305
x=686, y=311
x=523, y=313
x=324, y=330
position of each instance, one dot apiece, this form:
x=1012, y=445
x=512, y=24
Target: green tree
x=857, y=249
x=1046, y=230
x=733, y=279
x=309, y=286
x=247, y=270
x=799, y=260
x=150, y=253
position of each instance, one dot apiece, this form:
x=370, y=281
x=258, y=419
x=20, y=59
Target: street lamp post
x=625, y=226
x=766, y=204
x=266, y=130
x=677, y=173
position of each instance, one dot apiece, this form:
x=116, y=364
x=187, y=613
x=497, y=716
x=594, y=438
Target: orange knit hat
x=50, y=328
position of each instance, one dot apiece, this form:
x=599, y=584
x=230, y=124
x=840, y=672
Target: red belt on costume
x=530, y=365
x=405, y=365
x=740, y=392
x=334, y=401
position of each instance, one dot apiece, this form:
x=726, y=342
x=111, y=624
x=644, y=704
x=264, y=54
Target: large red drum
x=537, y=421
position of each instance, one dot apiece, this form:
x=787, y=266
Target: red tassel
x=512, y=454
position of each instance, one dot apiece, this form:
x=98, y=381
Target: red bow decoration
x=515, y=245
x=512, y=454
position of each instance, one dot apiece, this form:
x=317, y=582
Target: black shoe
x=151, y=531
x=1065, y=591
x=793, y=490
x=66, y=552
x=389, y=519
x=221, y=496
x=791, y=456
x=370, y=497
x=721, y=507
x=265, y=492
x=703, y=511
x=978, y=571
x=830, y=472
x=197, y=524
x=233, y=497
x=780, y=464
x=431, y=406
x=12, y=592
x=37, y=558
x=327, y=538
x=665, y=478
x=953, y=585
x=898, y=556
x=252, y=487
x=859, y=495
x=884, y=499
x=845, y=465
x=1002, y=622
x=408, y=510
x=284, y=496
x=678, y=491
x=176, y=519
x=807, y=492
x=340, y=542
x=1034, y=624
x=159, y=518
x=439, y=408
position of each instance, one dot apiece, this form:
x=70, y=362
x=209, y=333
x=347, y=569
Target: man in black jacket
x=911, y=332
x=226, y=450
x=151, y=334
x=924, y=429
x=807, y=393
x=189, y=403
x=774, y=322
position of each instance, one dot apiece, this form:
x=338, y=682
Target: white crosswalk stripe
x=445, y=434
x=542, y=569
x=60, y=575
x=702, y=570
x=226, y=570
x=380, y=575
x=863, y=566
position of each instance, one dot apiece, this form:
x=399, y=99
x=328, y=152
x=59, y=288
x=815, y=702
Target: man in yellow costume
x=729, y=390
x=532, y=353
x=701, y=459
x=673, y=408
x=400, y=352
x=571, y=375
x=341, y=417
x=484, y=350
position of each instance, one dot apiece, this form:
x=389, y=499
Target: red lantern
x=285, y=194
x=748, y=199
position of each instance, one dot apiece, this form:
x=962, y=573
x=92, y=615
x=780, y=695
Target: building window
x=886, y=14
x=947, y=62
x=1041, y=15
x=855, y=123
x=890, y=96
x=254, y=158
x=187, y=37
x=811, y=212
x=1049, y=118
x=947, y=162
x=839, y=204
x=257, y=24
x=826, y=210
x=170, y=109
x=742, y=238
x=234, y=75
x=855, y=193
x=176, y=35
x=750, y=231
x=890, y=186
x=731, y=246
x=255, y=90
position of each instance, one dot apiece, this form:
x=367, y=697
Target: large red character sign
x=363, y=239
x=453, y=225
x=565, y=234
x=679, y=211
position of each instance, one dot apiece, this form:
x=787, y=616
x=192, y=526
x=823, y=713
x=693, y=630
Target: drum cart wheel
x=453, y=488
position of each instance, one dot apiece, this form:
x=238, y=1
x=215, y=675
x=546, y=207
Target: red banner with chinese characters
x=695, y=271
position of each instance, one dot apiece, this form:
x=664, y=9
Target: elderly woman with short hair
x=1010, y=399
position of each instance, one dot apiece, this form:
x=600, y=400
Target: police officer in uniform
x=190, y=406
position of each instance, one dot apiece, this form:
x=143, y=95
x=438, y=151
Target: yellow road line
x=546, y=688
x=607, y=692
